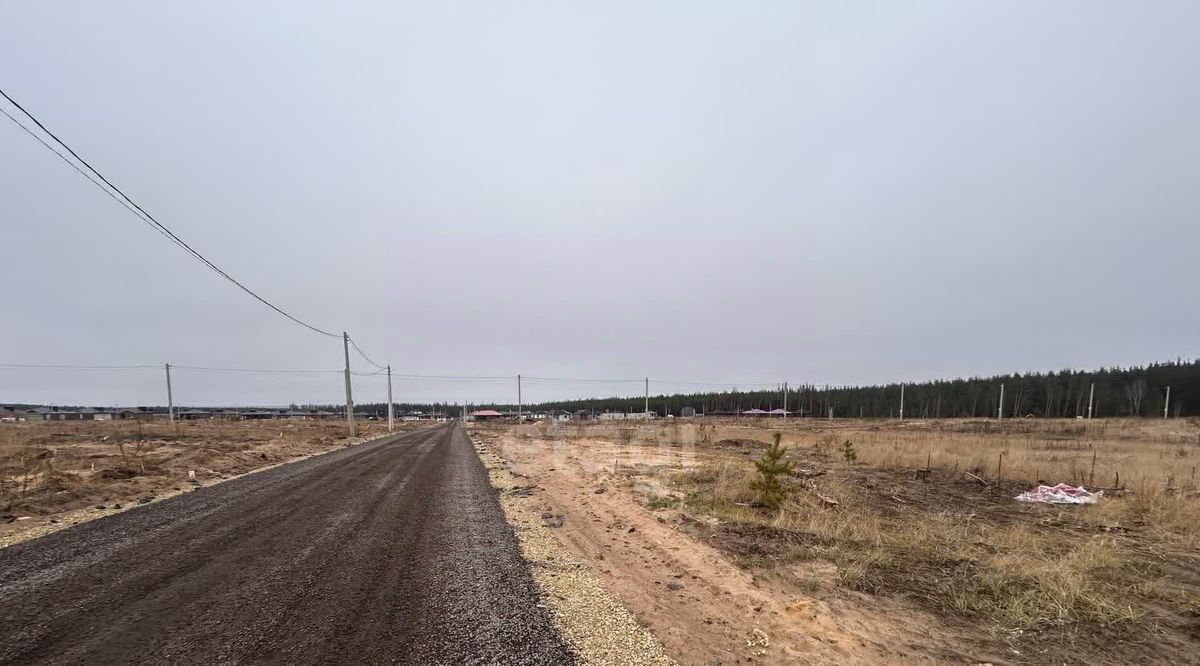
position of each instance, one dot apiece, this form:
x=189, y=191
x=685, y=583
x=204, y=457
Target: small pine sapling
x=771, y=467
x=848, y=452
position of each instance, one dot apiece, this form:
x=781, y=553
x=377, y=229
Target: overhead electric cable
x=251, y=370
x=46, y=366
x=364, y=354
x=85, y=174
x=161, y=227
x=603, y=381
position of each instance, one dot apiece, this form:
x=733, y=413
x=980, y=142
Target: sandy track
x=717, y=612
x=395, y=551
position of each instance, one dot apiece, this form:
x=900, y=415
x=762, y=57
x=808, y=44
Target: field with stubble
x=895, y=541
x=54, y=474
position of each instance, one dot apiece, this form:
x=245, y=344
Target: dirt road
x=394, y=551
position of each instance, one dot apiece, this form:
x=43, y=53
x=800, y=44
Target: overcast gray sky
x=704, y=191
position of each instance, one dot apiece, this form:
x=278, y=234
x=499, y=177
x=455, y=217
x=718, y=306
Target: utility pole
x=391, y=415
x=349, y=398
x=1091, y=394
x=1167, y=402
x=647, y=398
x=519, y=405
x=785, y=392
x=902, y=402
x=171, y=401
x=1000, y=409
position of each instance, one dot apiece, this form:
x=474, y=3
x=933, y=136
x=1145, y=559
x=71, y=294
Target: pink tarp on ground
x=1063, y=493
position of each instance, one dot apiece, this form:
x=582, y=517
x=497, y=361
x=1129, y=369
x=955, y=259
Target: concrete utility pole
x=1091, y=394
x=785, y=391
x=902, y=402
x=170, y=399
x=1000, y=409
x=391, y=415
x=519, y=405
x=1167, y=402
x=647, y=398
x=349, y=398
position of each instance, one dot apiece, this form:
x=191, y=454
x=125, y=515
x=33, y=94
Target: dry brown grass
x=49, y=468
x=1113, y=581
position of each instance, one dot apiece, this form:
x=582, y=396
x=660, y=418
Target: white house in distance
x=625, y=416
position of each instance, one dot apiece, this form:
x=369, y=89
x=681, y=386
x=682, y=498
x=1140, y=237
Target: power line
x=250, y=370
x=82, y=172
x=717, y=384
x=505, y=378
x=161, y=227
x=364, y=354
x=382, y=370
x=603, y=381
x=46, y=366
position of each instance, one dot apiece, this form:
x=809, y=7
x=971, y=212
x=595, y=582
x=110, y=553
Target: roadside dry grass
x=52, y=474
x=1110, y=583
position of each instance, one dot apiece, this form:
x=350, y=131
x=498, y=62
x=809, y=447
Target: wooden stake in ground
x=999, y=466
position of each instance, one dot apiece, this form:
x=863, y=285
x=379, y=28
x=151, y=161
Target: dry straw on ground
x=1117, y=580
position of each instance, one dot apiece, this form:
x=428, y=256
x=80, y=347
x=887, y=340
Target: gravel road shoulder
x=601, y=630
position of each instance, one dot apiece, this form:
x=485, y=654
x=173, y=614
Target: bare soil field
x=60, y=473
x=870, y=559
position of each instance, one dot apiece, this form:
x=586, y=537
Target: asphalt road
x=395, y=551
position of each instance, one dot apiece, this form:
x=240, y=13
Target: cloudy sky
x=828, y=193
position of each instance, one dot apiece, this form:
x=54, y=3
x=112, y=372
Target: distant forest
x=1133, y=391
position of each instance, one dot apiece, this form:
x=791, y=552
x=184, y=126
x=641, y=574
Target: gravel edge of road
x=80, y=516
x=601, y=630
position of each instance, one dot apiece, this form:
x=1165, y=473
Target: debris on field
x=1063, y=493
x=979, y=479
x=827, y=501
x=758, y=638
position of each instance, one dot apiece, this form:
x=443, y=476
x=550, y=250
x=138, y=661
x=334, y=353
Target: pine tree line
x=1132, y=391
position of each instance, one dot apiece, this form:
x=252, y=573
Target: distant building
x=687, y=412
x=257, y=414
x=484, y=415
x=193, y=414
x=34, y=414
x=626, y=416
x=136, y=414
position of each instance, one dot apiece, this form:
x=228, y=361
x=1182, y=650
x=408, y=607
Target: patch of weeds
x=659, y=502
